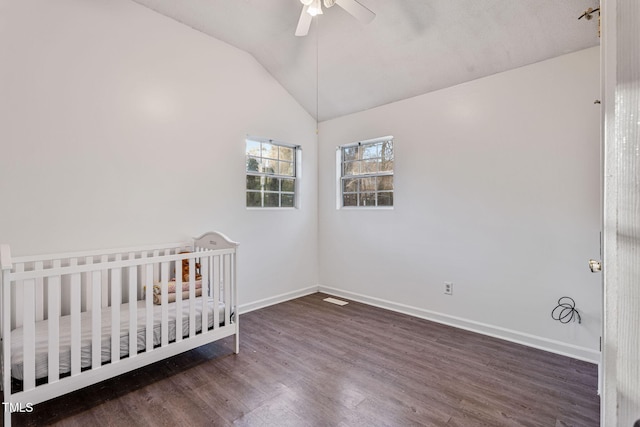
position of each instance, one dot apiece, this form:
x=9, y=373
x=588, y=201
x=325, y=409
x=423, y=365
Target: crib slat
x=156, y=267
x=178, y=269
x=88, y=291
x=39, y=295
x=96, y=321
x=143, y=278
x=116, y=300
x=216, y=291
x=133, y=308
x=29, y=339
x=149, y=306
x=164, y=326
x=105, y=282
x=192, y=297
x=18, y=297
x=76, y=305
x=6, y=333
x=53, y=313
x=204, y=265
x=227, y=288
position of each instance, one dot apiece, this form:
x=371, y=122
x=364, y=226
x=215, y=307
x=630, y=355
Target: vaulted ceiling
x=412, y=46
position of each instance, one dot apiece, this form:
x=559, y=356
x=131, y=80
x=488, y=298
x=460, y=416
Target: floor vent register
x=335, y=301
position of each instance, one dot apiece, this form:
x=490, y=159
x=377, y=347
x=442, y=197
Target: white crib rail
x=52, y=286
x=47, y=262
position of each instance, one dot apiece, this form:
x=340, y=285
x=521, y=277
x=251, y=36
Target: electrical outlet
x=448, y=288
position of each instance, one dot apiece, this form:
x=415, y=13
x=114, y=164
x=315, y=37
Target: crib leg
x=236, y=337
x=7, y=416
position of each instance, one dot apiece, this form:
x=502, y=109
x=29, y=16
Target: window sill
x=366, y=208
x=271, y=209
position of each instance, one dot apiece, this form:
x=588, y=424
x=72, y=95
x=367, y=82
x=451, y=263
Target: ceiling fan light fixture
x=315, y=8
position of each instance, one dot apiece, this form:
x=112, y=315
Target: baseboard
x=266, y=302
x=576, y=352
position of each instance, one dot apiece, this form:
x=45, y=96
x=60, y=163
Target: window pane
x=386, y=166
x=253, y=182
x=269, y=166
x=370, y=151
x=367, y=199
x=288, y=185
x=253, y=164
x=385, y=183
x=370, y=166
x=254, y=199
x=286, y=168
x=271, y=200
x=287, y=200
x=350, y=200
x=253, y=148
x=272, y=184
x=286, y=153
x=350, y=185
x=368, y=184
x=349, y=153
x=269, y=151
x=351, y=168
x=387, y=150
x=385, y=199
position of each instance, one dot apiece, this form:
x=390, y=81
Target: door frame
x=620, y=56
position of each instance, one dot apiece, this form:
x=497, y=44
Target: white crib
x=59, y=313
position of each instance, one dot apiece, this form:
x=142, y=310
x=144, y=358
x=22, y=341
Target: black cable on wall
x=566, y=311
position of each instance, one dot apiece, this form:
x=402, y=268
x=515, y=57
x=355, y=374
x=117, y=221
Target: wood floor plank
x=307, y=362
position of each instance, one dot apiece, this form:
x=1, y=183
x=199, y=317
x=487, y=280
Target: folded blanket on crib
x=171, y=290
x=157, y=298
x=171, y=286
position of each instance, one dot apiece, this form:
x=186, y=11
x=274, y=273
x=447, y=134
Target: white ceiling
x=411, y=47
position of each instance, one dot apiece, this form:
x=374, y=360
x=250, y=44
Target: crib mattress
x=42, y=335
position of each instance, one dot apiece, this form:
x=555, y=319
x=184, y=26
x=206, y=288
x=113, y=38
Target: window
x=366, y=173
x=272, y=169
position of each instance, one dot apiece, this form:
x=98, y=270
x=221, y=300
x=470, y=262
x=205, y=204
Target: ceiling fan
x=312, y=8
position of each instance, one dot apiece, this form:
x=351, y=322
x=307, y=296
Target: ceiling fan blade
x=304, y=22
x=358, y=10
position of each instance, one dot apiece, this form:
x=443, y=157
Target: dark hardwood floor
x=311, y=363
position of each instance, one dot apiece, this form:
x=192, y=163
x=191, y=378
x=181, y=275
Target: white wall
x=496, y=190
x=120, y=127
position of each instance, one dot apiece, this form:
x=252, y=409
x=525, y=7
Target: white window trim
x=338, y=169
x=297, y=171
